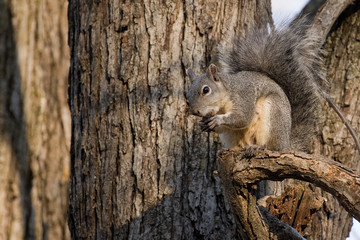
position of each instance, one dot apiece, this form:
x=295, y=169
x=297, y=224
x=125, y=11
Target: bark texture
x=140, y=168
x=34, y=120
x=342, y=183
x=343, y=73
x=326, y=16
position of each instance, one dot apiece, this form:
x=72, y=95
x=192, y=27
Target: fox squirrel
x=264, y=90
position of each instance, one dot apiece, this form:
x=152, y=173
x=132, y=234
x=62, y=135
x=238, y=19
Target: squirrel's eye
x=205, y=90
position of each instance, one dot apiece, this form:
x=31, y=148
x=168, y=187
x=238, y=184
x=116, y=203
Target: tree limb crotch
x=240, y=174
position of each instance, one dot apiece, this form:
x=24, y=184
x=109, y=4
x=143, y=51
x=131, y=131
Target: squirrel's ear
x=213, y=71
x=191, y=74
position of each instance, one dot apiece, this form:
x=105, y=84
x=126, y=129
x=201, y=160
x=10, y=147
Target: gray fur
x=287, y=56
x=241, y=91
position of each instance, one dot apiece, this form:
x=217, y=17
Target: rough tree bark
x=343, y=73
x=331, y=176
x=34, y=120
x=140, y=167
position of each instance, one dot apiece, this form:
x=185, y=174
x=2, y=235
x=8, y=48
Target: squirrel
x=264, y=90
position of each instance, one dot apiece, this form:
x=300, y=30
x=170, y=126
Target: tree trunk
x=140, y=167
x=34, y=120
x=342, y=63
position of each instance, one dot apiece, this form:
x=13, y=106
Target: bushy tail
x=289, y=56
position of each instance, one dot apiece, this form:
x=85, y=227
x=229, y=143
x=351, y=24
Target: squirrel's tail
x=291, y=57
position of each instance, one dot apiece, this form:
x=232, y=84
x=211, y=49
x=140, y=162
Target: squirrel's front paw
x=208, y=124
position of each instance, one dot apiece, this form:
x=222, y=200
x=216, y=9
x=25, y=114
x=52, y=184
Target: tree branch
x=281, y=229
x=251, y=222
x=331, y=176
x=326, y=16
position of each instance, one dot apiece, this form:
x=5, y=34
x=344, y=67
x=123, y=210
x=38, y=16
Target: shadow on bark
x=13, y=129
x=147, y=226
